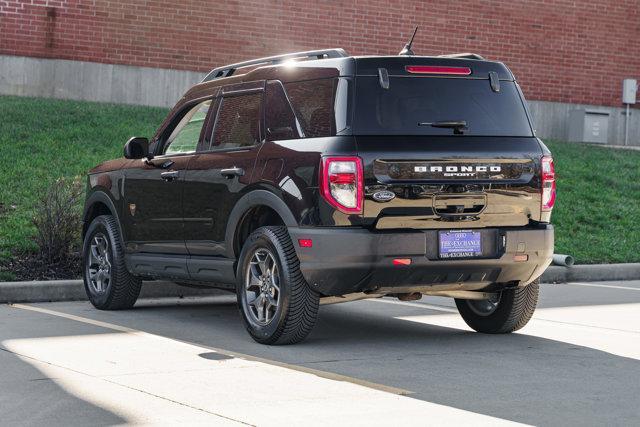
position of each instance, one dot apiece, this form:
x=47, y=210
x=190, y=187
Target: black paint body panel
x=186, y=229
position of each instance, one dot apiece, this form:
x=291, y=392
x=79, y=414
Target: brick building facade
x=561, y=51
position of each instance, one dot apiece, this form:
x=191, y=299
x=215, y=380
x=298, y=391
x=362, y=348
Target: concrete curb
x=591, y=273
x=73, y=290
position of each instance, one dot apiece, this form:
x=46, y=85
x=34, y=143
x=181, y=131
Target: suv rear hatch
x=445, y=144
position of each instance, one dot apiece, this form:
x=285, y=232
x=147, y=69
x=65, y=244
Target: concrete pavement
x=373, y=362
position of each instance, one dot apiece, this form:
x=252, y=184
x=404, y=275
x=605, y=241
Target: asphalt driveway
x=367, y=362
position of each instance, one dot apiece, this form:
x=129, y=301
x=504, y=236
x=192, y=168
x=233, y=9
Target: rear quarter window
x=312, y=102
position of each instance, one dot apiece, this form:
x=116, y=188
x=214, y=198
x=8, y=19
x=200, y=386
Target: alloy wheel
x=99, y=263
x=262, y=287
x=485, y=307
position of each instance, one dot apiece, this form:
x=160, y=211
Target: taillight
x=341, y=183
x=548, y=183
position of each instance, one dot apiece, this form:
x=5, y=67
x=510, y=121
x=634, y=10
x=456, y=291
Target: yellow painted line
x=319, y=373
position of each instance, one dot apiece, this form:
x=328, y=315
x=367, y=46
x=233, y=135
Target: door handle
x=231, y=172
x=170, y=176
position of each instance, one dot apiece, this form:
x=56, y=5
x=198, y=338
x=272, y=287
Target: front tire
x=511, y=311
x=277, y=305
x=108, y=284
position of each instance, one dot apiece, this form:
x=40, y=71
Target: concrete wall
x=91, y=81
x=125, y=84
x=551, y=120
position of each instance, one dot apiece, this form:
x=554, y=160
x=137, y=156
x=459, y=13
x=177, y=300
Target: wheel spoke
x=262, y=288
x=94, y=257
x=104, y=247
x=271, y=302
x=275, y=282
x=98, y=242
x=260, y=308
x=264, y=269
x=258, y=301
x=93, y=274
x=252, y=297
x=99, y=283
x=253, y=282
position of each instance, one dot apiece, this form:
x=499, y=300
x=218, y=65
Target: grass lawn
x=43, y=139
x=597, y=215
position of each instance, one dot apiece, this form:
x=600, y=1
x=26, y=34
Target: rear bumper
x=343, y=261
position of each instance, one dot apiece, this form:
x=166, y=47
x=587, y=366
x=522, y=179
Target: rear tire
x=511, y=312
x=276, y=303
x=108, y=284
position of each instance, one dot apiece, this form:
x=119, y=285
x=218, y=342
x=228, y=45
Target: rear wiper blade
x=459, y=126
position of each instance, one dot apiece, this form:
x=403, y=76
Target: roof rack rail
x=465, y=55
x=228, y=70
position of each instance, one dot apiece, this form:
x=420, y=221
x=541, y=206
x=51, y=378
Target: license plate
x=460, y=244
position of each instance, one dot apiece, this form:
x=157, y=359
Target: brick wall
x=566, y=51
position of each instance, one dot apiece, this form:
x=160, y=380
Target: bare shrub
x=57, y=220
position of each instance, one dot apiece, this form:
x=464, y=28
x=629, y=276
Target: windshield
x=428, y=105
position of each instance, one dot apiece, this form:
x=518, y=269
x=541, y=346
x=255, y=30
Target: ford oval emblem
x=383, y=196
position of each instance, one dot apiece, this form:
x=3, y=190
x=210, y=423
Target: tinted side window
x=238, y=122
x=185, y=136
x=280, y=123
x=312, y=101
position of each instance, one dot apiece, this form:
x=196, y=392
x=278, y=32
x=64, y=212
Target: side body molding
x=248, y=201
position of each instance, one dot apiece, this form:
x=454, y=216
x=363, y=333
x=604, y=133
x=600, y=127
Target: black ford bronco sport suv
x=319, y=177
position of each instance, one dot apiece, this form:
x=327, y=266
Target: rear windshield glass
x=411, y=101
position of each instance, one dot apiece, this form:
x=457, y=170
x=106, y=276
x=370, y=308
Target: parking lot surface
x=371, y=362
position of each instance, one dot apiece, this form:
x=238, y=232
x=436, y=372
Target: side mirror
x=136, y=148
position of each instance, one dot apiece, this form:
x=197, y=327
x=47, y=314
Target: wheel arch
x=255, y=209
x=99, y=203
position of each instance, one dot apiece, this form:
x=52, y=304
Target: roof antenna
x=406, y=51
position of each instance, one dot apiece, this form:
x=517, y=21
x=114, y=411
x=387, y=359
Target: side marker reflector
x=521, y=258
x=402, y=261
x=305, y=243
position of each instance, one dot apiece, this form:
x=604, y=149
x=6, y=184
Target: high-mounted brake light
x=435, y=69
x=341, y=183
x=548, y=183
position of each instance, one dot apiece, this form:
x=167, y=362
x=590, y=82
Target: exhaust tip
x=563, y=260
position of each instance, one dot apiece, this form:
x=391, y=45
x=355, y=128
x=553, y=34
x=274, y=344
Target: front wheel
x=508, y=312
x=108, y=284
x=276, y=303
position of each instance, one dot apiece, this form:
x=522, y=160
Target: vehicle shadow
x=30, y=397
x=516, y=377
